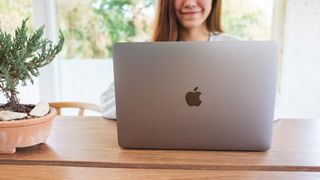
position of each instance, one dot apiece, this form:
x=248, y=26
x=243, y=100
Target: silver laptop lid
x=159, y=87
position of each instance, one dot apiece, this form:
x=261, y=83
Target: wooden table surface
x=92, y=142
x=9, y=172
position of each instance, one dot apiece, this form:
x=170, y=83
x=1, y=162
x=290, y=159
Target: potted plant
x=21, y=56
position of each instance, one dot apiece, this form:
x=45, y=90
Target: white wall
x=84, y=80
x=28, y=94
x=300, y=93
x=81, y=80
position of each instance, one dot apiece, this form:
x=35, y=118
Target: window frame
x=45, y=13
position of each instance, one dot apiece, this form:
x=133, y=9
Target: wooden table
x=57, y=172
x=91, y=143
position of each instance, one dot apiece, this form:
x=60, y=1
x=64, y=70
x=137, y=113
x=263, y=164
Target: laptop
x=195, y=95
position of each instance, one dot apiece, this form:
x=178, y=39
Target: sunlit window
x=92, y=26
x=248, y=19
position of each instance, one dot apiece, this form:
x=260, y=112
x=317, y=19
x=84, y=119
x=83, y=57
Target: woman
x=179, y=20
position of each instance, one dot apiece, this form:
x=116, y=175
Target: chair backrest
x=78, y=105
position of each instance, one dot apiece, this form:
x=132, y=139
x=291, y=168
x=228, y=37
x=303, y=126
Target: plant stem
x=13, y=102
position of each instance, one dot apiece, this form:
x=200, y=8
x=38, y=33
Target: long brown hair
x=166, y=27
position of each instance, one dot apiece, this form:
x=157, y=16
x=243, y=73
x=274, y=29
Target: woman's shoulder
x=221, y=36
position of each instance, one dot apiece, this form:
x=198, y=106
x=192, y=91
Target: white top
x=107, y=99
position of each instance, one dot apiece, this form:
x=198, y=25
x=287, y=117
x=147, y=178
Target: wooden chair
x=78, y=105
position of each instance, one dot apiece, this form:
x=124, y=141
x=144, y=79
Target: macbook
x=195, y=95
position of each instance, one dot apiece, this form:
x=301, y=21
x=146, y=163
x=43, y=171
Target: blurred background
x=84, y=69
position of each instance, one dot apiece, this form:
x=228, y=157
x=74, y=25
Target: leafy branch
x=21, y=56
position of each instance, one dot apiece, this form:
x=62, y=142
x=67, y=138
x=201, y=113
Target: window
x=92, y=26
x=248, y=19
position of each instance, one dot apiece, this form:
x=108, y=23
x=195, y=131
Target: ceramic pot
x=25, y=133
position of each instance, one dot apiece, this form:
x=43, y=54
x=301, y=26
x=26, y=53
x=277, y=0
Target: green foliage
x=239, y=25
x=21, y=56
x=85, y=38
x=91, y=27
x=245, y=19
x=118, y=26
x=119, y=18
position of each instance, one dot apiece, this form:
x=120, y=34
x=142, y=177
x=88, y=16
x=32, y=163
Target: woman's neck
x=195, y=34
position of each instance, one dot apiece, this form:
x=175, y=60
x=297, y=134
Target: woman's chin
x=191, y=24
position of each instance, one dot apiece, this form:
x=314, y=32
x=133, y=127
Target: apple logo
x=193, y=98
